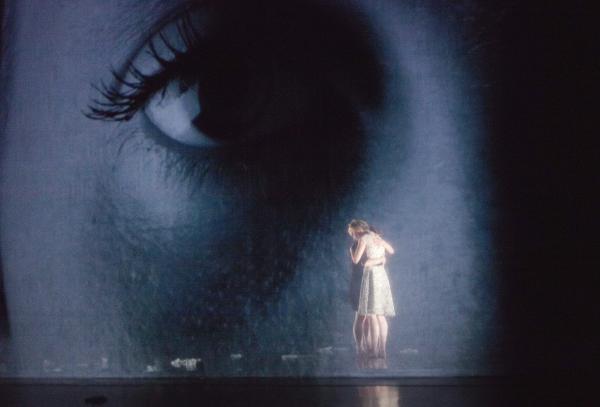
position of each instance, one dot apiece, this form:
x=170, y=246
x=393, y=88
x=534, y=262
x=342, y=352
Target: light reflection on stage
x=379, y=396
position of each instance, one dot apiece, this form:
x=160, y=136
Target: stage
x=405, y=392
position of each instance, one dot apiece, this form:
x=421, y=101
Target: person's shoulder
x=367, y=237
x=377, y=239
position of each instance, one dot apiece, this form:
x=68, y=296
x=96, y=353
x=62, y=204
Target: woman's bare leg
x=383, y=334
x=373, y=335
x=359, y=331
x=365, y=340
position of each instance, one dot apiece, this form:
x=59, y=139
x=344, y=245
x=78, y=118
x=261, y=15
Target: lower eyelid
x=179, y=162
x=183, y=164
x=154, y=134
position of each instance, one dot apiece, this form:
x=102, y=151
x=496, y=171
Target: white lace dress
x=375, y=293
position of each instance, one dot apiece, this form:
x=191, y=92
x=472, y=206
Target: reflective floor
x=289, y=392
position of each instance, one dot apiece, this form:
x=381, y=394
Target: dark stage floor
x=371, y=392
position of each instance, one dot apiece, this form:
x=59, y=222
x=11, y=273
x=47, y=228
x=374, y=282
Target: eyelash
x=122, y=99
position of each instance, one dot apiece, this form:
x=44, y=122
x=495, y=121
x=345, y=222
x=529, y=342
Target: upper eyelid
x=131, y=87
x=170, y=16
x=122, y=100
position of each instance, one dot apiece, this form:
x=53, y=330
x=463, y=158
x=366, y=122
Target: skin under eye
x=173, y=111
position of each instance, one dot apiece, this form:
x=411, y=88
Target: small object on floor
x=189, y=364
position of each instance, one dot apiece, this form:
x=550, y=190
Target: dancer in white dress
x=375, y=301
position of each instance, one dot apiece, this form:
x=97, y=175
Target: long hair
x=362, y=227
x=376, y=231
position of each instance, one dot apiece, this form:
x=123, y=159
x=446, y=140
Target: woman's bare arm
x=357, y=254
x=386, y=245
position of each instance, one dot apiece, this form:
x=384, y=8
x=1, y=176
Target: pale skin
x=371, y=330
